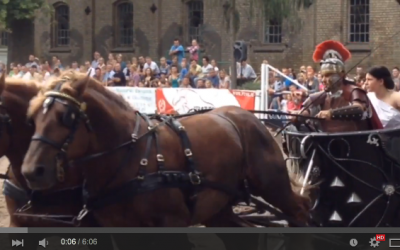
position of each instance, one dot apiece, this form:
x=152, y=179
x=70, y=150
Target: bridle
x=71, y=119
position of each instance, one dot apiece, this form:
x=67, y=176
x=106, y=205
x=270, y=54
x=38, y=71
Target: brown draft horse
x=15, y=136
x=169, y=173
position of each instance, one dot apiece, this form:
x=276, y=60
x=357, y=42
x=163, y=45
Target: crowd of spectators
x=286, y=95
x=182, y=68
x=285, y=91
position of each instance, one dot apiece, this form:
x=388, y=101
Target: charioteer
x=342, y=104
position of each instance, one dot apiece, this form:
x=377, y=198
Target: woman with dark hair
x=384, y=98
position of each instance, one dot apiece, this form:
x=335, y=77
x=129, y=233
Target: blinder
x=71, y=118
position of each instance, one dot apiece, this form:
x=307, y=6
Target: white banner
x=182, y=100
x=141, y=99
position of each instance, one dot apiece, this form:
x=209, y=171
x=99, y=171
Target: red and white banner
x=246, y=98
x=179, y=100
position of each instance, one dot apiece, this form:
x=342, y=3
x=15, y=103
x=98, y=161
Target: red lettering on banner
x=245, y=98
x=245, y=93
x=380, y=237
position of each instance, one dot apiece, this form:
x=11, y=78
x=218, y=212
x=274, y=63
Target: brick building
x=138, y=27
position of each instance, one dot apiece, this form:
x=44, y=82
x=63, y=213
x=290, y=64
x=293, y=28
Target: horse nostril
x=39, y=171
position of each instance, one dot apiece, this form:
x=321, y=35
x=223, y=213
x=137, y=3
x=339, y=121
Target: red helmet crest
x=331, y=49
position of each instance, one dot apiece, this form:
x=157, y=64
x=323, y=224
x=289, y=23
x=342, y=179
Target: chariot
x=353, y=177
x=356, y=175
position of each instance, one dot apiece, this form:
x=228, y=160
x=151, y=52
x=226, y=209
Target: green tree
x=17, y=16
x=11, y=10
x=284, y=11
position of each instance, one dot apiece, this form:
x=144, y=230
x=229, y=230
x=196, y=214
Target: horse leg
x=269, y=178
x=278, y=192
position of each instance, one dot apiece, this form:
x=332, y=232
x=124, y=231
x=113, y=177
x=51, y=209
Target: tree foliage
x=11, y=10
x=283, y=11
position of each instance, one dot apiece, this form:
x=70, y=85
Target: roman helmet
x=332, y=55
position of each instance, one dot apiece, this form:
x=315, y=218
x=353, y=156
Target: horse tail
x=297, y=180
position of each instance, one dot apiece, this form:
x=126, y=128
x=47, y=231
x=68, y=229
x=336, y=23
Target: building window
x=272, y=31
x=359, y=21
x=123, y=24
x=196, y=18
x=61, y=25
x=4, y=39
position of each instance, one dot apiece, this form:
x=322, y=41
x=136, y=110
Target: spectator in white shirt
x=101, y=64
x=45, y=72
x=95, y=62
x=90, y=70
x=245, y=71
x=152, y=65
x=74, y=66
x=31, y=74
x=214, y=64
x=205, y=69
x=15, y=73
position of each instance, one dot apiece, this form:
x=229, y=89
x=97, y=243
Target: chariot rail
x=347, y=134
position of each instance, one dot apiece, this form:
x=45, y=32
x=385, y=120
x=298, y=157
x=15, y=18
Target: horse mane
x=72, y=76
x=21, y=86
x=21, y=82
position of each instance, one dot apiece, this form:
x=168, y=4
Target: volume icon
x=17, y=243
x=43, y=243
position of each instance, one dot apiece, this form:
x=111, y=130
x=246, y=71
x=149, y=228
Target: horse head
x=15, y=132
x=63, y=115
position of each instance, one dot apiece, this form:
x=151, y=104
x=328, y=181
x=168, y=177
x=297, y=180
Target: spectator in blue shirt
x=184, y=71
x=287, y=82
x=108, y=75
x=177, y=50
x=213, y=78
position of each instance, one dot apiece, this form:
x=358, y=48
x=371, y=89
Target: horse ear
x=2, y=82
x=80, y=85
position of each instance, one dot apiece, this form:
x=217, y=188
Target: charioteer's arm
x=355, y=111
x=313, y=101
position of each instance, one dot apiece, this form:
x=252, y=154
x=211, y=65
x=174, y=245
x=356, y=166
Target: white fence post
x=263, y=78
x=286, y=77
x=264, y=88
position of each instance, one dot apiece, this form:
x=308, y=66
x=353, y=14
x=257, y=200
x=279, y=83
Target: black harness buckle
x=82, y=213
x=194, y=178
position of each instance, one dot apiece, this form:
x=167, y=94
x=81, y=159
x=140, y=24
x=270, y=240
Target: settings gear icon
x=373, y=242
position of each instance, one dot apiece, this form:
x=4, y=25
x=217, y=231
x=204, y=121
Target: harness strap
x=4, y=176
x=153, y=181
x=180, y=130
x=38, y=137
x=145, y=160
x=16, y=193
